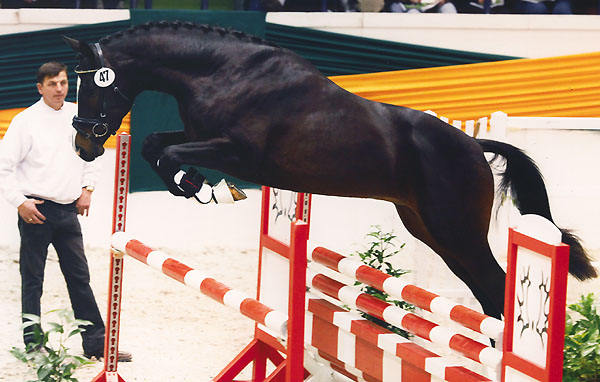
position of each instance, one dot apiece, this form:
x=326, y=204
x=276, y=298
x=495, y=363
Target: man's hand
x=29, y=212
x=84, y=202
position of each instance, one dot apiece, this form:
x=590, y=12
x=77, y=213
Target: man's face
x=54, y=90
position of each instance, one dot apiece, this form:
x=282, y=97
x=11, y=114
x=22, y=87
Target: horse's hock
x=307, y=322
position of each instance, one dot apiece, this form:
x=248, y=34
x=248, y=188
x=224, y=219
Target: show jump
x=308, y=325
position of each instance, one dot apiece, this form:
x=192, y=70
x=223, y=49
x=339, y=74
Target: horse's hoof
x=236, y=192
x=225, y=192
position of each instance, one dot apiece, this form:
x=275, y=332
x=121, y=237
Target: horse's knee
x=151, y=147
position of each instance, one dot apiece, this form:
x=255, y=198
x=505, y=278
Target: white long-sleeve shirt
x=37, y=157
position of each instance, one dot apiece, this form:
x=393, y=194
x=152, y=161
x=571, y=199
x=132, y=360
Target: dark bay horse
x=263, y=114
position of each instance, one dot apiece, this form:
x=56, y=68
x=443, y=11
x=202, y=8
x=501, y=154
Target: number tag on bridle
x=104, y=77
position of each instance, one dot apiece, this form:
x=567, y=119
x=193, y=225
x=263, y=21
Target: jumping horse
x=265, y=115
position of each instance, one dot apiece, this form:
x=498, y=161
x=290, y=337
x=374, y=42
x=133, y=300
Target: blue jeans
x=557, y=7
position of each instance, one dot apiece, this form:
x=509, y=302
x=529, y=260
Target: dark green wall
x=21, y=54
x=337, y=54
x=155, y=111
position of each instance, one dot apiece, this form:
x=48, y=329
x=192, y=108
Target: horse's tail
x=522, y=176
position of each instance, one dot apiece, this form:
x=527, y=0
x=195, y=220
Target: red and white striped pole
x=403, y=319
x=362, y=345
x=413, y=294
x=115, y=282
x=212, y=288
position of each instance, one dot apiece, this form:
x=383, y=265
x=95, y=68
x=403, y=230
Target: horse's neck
x=166, y=79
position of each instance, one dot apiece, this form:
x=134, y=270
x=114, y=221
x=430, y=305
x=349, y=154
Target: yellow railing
x=565, y=86
x=7, y=115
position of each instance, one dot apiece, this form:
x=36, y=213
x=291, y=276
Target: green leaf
x=582, y=341
x=19, y=354
x=75, y=332
x=31, y=317
x=28, y=324
x=55, y=327
x=44, y=371
x=79, y=322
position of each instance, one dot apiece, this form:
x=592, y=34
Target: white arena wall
x=30, y=20
x=513, y=35
x=565, y=149
x=530, y=36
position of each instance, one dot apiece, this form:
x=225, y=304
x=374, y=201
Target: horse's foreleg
x=152, y=150
x=218, y=154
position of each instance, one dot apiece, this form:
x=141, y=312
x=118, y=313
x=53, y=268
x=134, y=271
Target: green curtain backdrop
x=21, y=54
x=337, y=54
x=154, y=111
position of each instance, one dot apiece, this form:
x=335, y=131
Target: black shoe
x=123, y=356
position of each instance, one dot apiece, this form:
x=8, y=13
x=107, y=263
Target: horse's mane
x=184, y=26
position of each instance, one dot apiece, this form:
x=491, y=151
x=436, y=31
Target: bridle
x=97, y=127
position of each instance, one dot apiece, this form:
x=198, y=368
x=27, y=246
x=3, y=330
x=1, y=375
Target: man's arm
x=84, y=201
x=89, y=178
x=13, y=149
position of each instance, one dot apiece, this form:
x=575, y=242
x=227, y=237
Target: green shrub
x=48, y=355
x=381, y=247
x=582, y=342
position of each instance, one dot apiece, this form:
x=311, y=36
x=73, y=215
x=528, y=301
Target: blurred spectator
x=110, y=4
x=312, y=6
x=351, y=5
x=586, y=7
x=419, y=6
x=476, y=6
x=305, y=5
x=542, y=7
x=15, y=4
x=49, y=3
x=270, y=6
x=370, y=5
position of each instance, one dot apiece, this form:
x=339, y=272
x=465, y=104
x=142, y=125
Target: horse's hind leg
x=470, y=260
x=489, y=277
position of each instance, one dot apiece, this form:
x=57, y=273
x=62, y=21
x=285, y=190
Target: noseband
x=95, y=129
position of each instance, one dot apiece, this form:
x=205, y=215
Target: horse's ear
x=79, y=46
x=74, y=44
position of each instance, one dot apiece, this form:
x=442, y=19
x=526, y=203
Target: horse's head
x=101, y=104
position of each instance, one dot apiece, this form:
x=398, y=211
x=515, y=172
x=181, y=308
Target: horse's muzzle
x=86, y=150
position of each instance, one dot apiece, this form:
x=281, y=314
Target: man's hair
x=50, y=69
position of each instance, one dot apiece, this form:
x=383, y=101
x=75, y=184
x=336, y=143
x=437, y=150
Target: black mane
x=209, y=30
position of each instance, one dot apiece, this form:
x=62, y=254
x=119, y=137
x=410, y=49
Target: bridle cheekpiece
x=97, y=126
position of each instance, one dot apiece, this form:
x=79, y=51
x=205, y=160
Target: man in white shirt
x=48, y=184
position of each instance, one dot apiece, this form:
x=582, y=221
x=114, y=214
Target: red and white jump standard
x=115, y=281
